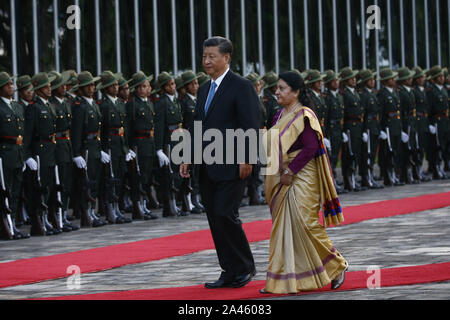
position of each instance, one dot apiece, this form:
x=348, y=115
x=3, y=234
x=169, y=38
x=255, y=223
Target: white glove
x=344, y=137
x=163, y=160
x=405, y=137
x=432, y=129
x=105, y=158
x=32, y=164
x=327, y=143
x=80, y=162
x=24, y=167
x=383, y=135
x=365, y=137
x=132, y=154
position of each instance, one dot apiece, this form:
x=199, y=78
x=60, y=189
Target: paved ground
x=416, y=239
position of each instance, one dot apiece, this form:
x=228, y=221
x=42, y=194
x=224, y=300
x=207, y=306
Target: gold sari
x=302, y=257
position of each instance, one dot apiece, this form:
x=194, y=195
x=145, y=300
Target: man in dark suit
x=228, y=101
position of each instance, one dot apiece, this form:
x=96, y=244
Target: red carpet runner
x=354, y=281
x=39, y=269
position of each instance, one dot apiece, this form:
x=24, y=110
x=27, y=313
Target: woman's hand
x=287, y=177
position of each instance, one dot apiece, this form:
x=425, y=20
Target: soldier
x=269, y=99
x=87, y=150
x=422, y=123
x=439, y=113
x=115, y=144
x=64, y=153
x=391, y=128
x=409, y=123
x=334, y=125
x=191, y=85
x=124, y=90
x=353, y=126
x=371, y=136
x=71, y=84
x=12, y=155
x=202, y=78
x=171, y=112
x=144, y=126
x=181, y=90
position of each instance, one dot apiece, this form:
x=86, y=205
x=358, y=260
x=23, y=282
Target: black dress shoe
x=221, y=283
x=241, y=281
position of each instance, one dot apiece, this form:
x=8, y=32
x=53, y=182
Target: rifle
x=170, y=171
x=42, y=207
x=439, y=158
x=59, y=204
x=6, y=221
x=353, y=161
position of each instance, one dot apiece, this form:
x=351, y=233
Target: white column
x=321, y=36
x=208, y=14
x=244, y=40
x=227, y=20
x=414, y=31
x=56, y=34
x=275, y=25
x=349, y=35
x=260, y=40
x=78, y=43
x=193, y=57
x=388, y=3
x=174, y=39
x=427, y=43
x=336, y=60
x=363, y=34
x=305, y=19
x=14, y=43
x=35, y=38
x=137, y=32
x=97, y=37
x=118, y=53
x=438, y=26
x=377, y=51
x=402, y=33
x=291, y=35
x=155, y=37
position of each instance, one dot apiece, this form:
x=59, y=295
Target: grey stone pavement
x=407, y=240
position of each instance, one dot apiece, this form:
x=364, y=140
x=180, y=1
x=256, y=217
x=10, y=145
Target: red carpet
x=354, y=281
x=39, y=269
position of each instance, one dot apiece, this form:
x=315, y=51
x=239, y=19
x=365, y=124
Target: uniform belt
x=422, y=114
x=413, y=113
x=117, y=132
x=440, y=115
x=372, y=117
x=354, y=119
x=63, y=135
x=12, y=140
x=394, y=115
x=94, y=135
x=175, y=127
x=50, y=139
x=144, y=134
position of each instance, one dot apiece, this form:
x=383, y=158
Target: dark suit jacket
x=235, y=106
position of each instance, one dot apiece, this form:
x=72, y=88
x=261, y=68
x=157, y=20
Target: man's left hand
x=245, y=170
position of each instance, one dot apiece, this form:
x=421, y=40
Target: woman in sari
x=302, y=257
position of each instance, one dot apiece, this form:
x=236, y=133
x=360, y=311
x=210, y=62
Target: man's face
x=408, y=82
x=317, y=86
x=124, y=92
x=113, y=90
x=26, y=93
x=170, y=87
x=7, y=90
x=351, y=82
x=390, y=83
x=440, y=80
x=420, y=81
x=88, y=91
x=214, y=62
x=61, y=91
x=192, y=87
x=334, y=84
x=370, y=83
x=45, y=92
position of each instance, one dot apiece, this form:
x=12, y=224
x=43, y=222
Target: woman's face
x=286, y=97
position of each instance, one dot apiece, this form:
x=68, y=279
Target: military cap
x=330, y=75
x=436, y=71
x=404, y=74
x=418, y=72
x=271, y=79
x=365, y=75
x=253, y=77
x=108, y=79
x=139, y=78
x=60, y=80
x=23, y=82
x=163, y=78
x=347, y=73
x=314, y=76
x=188, y=77
x=5, y=78
x=123, y=81
x=179, y=82
x=73, y=77
x=445, y=72
x=41, y=79
x=202, y=78
x=85, y=78
x=386, y=74
x=296, y=71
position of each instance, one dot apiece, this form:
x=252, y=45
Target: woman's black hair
x=295, y=81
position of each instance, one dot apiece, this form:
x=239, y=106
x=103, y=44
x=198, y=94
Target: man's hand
x=184, y=171
x=245, y=170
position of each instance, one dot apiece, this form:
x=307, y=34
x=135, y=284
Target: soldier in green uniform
x=314, y=81
x=145, y=126
x=334, y=125
x=391, y=128
x=64, y=153
x=439, y=119
x=40, y=152
x=115, y=144
x=202, y=78
x=124, y=90
x=269, y=98
x=172, y=114
x=409, y=125
x=353, y=126
x=181, y=90
x=191, y=85
x=11, y=153
x=371, y=136
x=87, y=150
x=71, y=84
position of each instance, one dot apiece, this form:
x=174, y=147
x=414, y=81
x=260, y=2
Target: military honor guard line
x=66, y=156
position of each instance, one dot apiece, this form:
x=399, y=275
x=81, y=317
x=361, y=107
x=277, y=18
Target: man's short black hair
x=225, y=45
